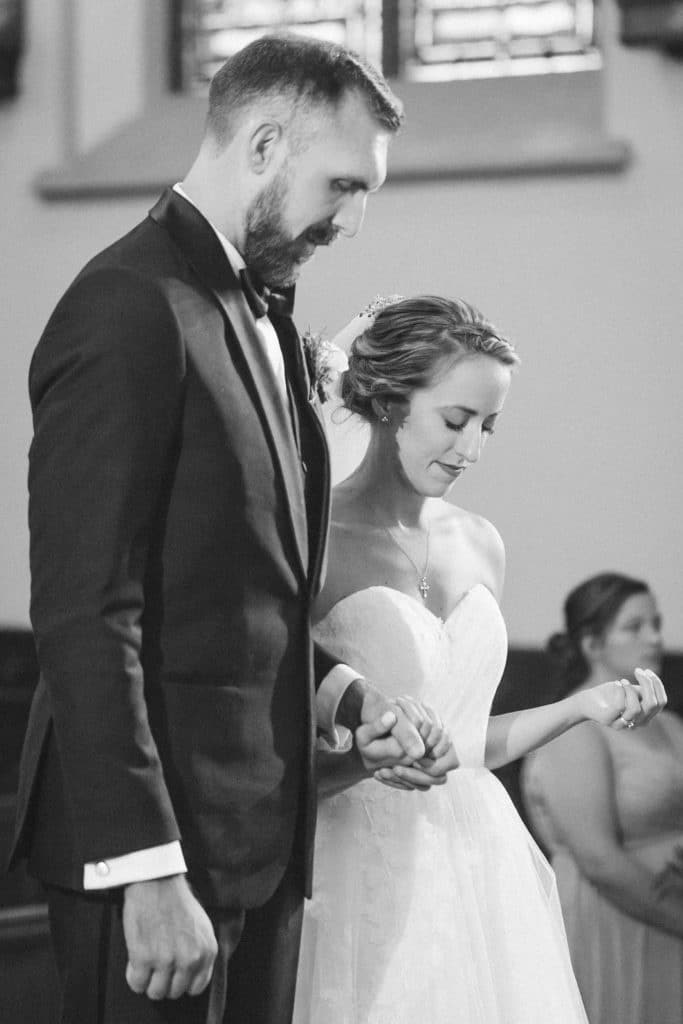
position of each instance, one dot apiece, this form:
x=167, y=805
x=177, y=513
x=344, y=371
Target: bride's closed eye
x=487, y=428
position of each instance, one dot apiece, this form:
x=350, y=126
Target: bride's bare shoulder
x=475, y=528
x=474, y=539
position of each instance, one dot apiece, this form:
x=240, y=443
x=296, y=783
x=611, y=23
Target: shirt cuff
x=140, y=866
x=329, y=693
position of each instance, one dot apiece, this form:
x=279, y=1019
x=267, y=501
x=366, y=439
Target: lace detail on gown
x=435, y=905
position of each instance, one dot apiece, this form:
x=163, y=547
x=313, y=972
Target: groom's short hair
x=304, y=72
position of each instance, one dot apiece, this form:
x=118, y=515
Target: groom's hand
x=440, y=755
x=169, y=937
x=383, y=732
x=376, y=746
x=428, y=772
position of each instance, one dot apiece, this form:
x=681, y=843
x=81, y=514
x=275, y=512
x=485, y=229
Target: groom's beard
x=269, y=249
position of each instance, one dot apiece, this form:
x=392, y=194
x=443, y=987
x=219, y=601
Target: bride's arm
x=612, y=704
x=515, y=734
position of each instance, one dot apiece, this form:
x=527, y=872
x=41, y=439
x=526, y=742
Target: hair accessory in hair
x=361, y=321
x=379, y=303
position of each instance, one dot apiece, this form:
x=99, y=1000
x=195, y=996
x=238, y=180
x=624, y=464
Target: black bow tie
x=256, y=292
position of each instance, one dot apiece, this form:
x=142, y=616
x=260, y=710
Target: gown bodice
x=405, y=650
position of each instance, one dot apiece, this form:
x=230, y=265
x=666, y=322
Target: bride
x=433, y=905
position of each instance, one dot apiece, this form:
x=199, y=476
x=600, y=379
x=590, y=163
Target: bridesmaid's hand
x=623, y=705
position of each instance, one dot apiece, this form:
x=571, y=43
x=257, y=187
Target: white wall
x=584, y=272
x=109, y=65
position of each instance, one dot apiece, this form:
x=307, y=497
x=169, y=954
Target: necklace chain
x=422, y=582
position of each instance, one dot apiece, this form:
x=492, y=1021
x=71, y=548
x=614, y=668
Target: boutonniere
x=326, y=363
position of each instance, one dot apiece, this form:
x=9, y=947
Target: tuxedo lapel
x=313, y=443
x=202, y=249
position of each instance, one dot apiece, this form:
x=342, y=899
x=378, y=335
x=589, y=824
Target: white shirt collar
x=263, y=325
x=236, y=261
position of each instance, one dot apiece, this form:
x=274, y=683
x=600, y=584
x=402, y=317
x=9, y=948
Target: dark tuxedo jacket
x=178, y=514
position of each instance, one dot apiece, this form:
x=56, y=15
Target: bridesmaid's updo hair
x=407, y=345
x=589, y=610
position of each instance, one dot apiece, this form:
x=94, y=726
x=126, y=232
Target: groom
x=179, y=487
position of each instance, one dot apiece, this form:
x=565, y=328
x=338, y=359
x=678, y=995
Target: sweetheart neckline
x=409, y=597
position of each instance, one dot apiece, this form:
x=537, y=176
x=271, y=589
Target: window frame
x=461, y=129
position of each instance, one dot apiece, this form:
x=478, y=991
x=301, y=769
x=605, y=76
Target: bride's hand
x=622, y=705
x=429, y=725
x=439, y=758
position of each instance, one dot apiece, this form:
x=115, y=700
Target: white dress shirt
x=167, y=859
x=265, y=328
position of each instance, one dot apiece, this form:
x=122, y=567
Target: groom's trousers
x=251, y=984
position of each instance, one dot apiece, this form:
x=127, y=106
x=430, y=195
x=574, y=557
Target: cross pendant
x=423, y=587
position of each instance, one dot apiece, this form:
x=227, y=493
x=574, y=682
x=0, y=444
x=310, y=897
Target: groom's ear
x=264, y=142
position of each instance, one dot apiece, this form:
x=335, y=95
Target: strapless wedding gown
x=432, y=906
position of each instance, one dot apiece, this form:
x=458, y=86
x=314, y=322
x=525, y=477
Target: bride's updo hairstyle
x=589, y=610
x=407, y=345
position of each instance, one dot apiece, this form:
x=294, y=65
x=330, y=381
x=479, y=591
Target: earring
x=384, y=419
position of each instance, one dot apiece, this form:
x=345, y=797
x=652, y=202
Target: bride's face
x=448, y=423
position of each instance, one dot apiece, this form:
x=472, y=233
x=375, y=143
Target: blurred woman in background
x=609, y=808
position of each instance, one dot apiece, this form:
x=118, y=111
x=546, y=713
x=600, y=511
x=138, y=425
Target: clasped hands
x=404, y=742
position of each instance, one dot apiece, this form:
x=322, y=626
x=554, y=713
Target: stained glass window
x=213, y=29
x=462, y=38
x=422, y=40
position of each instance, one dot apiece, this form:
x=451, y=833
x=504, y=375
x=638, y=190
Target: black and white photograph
x=341, y=617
